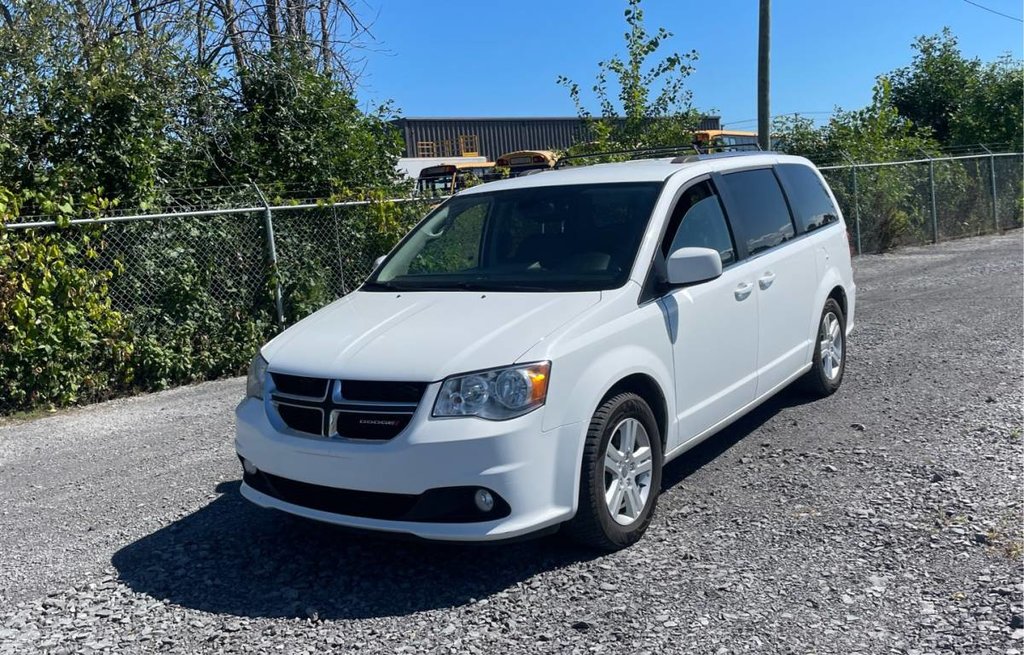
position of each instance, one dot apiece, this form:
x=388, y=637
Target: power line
x=789, y=113
x=993, y=11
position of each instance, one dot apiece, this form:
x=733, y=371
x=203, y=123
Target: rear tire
x=621, y=468
x=829, y=362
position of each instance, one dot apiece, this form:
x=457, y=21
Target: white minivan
x=530, y=356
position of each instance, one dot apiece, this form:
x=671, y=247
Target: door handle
x=743, y=290
x=766, y=280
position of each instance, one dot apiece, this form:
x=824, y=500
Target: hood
x=420, y=336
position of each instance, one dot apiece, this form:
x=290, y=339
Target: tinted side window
x=762, y=218
x=698, y=222
x=812, y=207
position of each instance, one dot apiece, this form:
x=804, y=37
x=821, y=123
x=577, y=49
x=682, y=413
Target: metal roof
x=495, y=136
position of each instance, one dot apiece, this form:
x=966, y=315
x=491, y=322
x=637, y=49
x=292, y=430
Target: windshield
x=555, y=238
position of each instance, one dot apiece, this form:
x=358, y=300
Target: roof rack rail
x=688, y=153
x=638, y=153
x=687, y=159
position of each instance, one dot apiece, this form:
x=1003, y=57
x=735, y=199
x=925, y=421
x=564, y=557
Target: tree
x=145, y=101
x=647, y=105
x=961, y=100
x=992, y=110
x=153, y=103
x=888, y=194
x=798, y=135
x=878, y=132
x=81, y=113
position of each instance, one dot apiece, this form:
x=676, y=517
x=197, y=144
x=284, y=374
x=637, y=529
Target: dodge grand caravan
x=536, y=349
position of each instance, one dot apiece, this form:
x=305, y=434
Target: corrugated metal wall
x=496, y=135
x=710, y=123
x=499, y=135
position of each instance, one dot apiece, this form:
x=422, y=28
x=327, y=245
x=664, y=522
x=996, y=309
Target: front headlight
x=254, y=382
x=496, y=394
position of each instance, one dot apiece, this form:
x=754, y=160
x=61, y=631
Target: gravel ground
x=886, y=519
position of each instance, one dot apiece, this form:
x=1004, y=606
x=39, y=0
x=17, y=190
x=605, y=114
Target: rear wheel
x=829, y=361
x=621, y=475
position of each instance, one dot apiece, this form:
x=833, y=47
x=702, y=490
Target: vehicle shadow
x=694, y=459
x=231, y=557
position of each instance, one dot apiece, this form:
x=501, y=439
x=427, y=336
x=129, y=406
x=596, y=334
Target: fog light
x=484, y=500
x=249, y=467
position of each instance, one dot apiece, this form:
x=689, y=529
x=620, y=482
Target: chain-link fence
x=928, y=200
x=182, y=297
x=165, y=299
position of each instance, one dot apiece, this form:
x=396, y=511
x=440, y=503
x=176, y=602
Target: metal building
x=492, y=137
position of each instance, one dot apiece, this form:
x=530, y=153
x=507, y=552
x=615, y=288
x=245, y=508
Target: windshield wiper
x=458, y=285
x=495, y=286
x=384, y=286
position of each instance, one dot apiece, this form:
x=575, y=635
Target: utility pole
x=764, y=117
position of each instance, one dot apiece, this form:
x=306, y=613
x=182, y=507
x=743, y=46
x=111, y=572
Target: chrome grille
x=344, y=409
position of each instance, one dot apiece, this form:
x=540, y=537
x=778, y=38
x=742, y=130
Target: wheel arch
x=838, y=293
x=830, y=286
x=647, y=388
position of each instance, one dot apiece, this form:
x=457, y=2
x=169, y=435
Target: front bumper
x=533, y=471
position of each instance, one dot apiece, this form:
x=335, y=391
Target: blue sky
x=500, y=58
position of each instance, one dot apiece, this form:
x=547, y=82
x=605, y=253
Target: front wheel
x=621, y=475
x=829, y=361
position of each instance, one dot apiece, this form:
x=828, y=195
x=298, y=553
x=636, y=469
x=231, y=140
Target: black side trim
x=441, y=505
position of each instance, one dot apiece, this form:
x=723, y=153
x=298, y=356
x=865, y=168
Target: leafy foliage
x=879, y=133
x=138, y=115
x=139, y=105
x=962, y=101
x=940, y=99
x=641, y=105
x=60, y=340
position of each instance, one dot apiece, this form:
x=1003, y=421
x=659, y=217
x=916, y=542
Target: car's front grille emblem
x=375, y=415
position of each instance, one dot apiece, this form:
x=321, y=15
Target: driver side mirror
x=693, y=265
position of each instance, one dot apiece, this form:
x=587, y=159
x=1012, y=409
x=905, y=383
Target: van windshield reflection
x=554, y=238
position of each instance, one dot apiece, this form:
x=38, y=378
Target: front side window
x=701, y=224
x=762, y=215
x=555, y=238
x=812, y=206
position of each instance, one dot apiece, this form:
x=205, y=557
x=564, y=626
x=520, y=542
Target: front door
x=715, y=323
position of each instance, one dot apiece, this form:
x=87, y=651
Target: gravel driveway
x=886, y=519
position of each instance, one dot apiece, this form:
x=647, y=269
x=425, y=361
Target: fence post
x=992, y=171
x=931, y=184
x=268, y=225
x=856, y=200
x=337, y=249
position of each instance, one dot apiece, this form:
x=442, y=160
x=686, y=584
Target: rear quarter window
x=812, y=207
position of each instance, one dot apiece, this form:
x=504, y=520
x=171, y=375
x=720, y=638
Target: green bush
x=61, y=341
x=90, y=312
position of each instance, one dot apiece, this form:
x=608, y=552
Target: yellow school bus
x=446, y=179
x=720, y=140
x=521, y=161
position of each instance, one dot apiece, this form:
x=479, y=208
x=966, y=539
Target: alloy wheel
x=831, y=346
x=628, y=465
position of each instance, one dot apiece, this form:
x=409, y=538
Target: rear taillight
x=502, y=162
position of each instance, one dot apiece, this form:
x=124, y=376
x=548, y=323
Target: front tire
x=621, y=475
x=829, y=363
